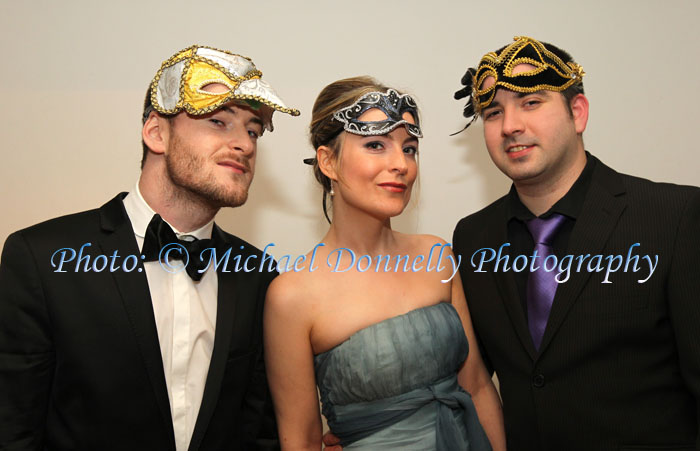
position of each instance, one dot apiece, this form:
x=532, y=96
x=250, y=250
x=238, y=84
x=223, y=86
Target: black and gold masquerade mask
x=549, y=73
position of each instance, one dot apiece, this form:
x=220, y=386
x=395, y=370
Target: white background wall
x=74, y=74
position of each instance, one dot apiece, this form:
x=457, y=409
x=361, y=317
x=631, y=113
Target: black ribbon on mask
x=469, y=112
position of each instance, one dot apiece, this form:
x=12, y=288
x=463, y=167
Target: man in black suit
x=607, y=355
x=107, y=342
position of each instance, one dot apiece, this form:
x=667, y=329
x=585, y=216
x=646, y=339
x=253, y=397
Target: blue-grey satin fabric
x=393, y=385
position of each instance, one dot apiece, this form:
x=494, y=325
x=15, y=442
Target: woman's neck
x=361, y=232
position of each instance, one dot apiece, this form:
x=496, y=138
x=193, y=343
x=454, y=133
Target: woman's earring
x=332, y=192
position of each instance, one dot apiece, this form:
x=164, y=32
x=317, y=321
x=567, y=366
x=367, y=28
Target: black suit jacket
x=80, y=362
x=619, y=364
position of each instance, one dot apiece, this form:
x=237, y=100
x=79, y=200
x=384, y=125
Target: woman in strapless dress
x=375, y=318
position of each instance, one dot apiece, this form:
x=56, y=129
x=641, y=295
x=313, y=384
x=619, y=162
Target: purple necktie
x=541, y=285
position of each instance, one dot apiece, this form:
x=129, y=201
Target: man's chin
x=231, y=201
x=237, y=202
x=230, y=194
x=521, y=171
x=525, y=179
x=220, y=199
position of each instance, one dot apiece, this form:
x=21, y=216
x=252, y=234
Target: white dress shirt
x=185, y=313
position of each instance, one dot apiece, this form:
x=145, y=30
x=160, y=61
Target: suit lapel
x=134, y=291
x=505, y=282
x=599, y=216
x=228, y=296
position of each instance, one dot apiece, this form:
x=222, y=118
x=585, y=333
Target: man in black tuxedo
x=107, y=342
x=606, y=356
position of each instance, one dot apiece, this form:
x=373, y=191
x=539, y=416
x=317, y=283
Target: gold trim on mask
x=198, y=71
x=549, y=72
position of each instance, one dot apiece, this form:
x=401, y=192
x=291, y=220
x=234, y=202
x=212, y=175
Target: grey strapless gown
x=393, y=385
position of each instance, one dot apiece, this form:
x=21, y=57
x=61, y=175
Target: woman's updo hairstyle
x=326, y=131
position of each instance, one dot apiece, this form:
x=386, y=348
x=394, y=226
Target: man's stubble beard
x=189, y=173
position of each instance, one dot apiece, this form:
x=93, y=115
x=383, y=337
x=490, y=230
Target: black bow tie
x=159, y=235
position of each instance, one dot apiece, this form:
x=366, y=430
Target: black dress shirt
x=519, y=236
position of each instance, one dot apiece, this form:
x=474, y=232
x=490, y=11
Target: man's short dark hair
x=573, y=90
x=147, y=108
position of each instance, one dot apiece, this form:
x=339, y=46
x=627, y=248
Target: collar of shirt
x=569, y=205
x=140, y=214
x=185, y=315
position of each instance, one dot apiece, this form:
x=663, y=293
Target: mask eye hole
x=214, y=87
x=373, y=115
x=409, y=117
x=487, y=83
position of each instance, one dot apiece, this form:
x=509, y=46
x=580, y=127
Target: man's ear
x=327, y=162
x=155, y=133
x=579, y=110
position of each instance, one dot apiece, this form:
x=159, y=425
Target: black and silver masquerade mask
x=549, y=73
x=391, y=103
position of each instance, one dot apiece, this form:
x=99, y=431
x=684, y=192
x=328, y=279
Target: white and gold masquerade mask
x=183, y=80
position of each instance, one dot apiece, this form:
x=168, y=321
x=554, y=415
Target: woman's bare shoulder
x=298, y=289
x=286, y=291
